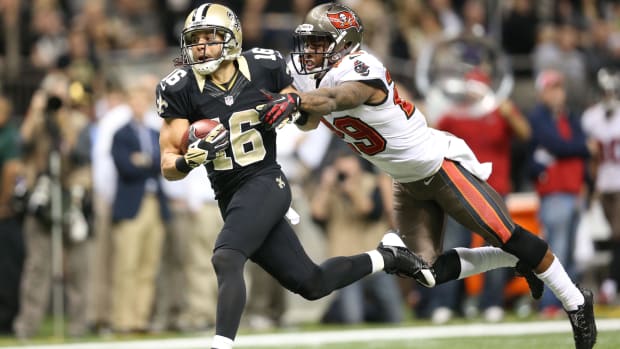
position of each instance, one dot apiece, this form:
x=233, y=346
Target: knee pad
x=227, y=260
x=526, y=246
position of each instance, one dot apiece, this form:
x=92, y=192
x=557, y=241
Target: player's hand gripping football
x=203, y=150
x=281, y=107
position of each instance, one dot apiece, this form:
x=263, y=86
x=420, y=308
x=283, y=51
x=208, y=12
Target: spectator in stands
x=450, y=21
x=348, y=202
x=11, y=240
x=201, y=280
x=137, y=27
x=571, y=12
x=559, y=151
x=112, y=114
x=51, y=128
x=376, y=30
x=490, y=136
x=599, y=51
x=519, y=33
x=49, y=33
x=79, y=62
x=99, y=27
x=13, y=19
x=563, y=55
x=186, y=285
x=418, y=26
x=546, y=49
x=138, y=213
x=474, y=18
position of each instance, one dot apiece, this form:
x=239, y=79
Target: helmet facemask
x=329, y=30
x=224, y=29
x=318, y=44
x=199, y=61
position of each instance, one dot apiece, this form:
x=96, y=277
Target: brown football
x=197, y=130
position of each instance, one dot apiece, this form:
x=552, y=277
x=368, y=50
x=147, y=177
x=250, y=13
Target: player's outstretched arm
x=170, y=136
x=325, y=100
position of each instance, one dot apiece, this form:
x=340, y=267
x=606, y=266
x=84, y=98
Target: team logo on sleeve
x=361, y=68
x=280, y=182
x=343, y=20
x=161, y=104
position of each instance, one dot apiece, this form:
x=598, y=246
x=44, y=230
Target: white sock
x=480, y=259
x=221, y=342
x=377, y=261
x=561, y=285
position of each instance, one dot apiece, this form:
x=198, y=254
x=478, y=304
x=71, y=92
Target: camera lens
x=53, y=103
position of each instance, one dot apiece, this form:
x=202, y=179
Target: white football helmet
x=217, y=19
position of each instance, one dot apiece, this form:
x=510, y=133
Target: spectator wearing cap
x=498, y=127
x=559, y=150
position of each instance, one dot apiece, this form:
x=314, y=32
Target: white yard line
x=343, y=336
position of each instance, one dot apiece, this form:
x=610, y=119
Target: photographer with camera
x=348, y=203
x=57, y=180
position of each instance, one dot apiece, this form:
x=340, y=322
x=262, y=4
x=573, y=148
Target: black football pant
x=255, y=228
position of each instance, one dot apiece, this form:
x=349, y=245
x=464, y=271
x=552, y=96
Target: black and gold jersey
x=184, y=94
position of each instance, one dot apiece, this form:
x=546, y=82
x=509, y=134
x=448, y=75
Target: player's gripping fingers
x=278, y=109
x=214, y=142
x=218, y=137
x=195, y=156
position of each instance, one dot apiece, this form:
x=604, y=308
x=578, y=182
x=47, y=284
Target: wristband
x=181, y=165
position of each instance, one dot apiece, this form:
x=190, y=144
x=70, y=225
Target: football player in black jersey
x=218, y=81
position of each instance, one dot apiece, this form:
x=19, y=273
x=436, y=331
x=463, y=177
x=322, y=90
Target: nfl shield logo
x=229, y=100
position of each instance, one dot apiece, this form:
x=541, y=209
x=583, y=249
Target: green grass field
x=607, y=340
x=537, y=334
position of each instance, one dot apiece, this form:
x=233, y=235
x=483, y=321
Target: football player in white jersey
x=435, y=173
x=602, y=122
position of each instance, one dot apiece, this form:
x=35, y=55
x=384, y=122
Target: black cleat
x=582, y=321
x=536, y=285
x=401, y=261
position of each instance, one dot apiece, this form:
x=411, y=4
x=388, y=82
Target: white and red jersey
x=606, y=130
x=392, y=135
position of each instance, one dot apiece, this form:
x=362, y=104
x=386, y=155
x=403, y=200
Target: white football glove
x=202, y=151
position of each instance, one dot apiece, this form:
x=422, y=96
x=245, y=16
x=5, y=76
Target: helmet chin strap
x=207, y=68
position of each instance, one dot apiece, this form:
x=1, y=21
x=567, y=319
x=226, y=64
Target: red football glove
x=280, y=107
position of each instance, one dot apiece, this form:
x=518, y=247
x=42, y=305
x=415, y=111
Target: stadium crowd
x=77, y=81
